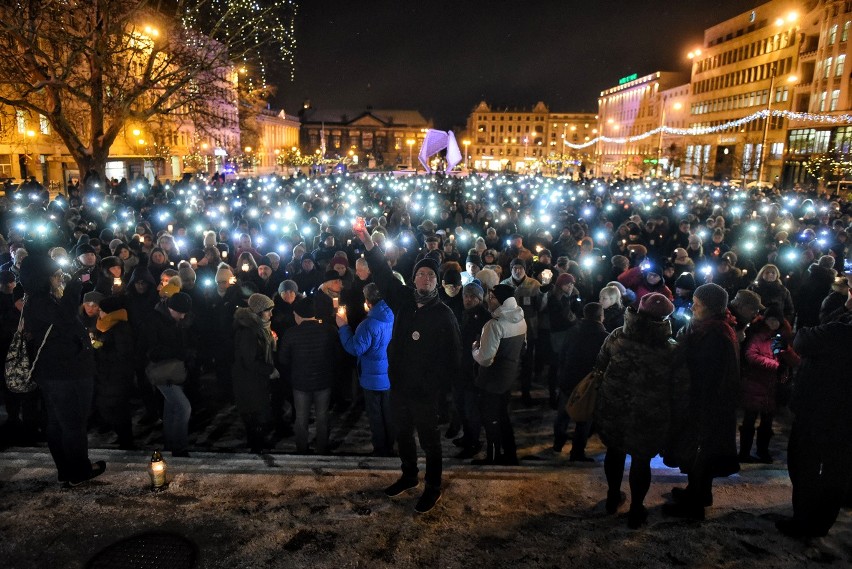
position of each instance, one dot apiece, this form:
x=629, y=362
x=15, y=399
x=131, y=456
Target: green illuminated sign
x=627, y=79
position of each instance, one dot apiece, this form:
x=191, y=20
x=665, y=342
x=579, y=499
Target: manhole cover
x=155, y=550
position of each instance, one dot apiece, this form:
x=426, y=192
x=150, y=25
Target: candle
x=245, y=267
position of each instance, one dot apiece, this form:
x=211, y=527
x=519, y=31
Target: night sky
x=442, y=58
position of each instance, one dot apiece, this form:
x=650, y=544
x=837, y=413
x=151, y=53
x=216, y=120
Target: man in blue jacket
x=369, y=343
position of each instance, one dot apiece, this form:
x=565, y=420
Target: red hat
x=565, y=278
x=656, y=306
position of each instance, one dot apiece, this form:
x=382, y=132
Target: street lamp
x=466, y=144
x=410, y=142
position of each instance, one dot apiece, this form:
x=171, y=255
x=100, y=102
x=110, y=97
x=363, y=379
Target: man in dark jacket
x=577, y=358
x=63, y=366
x=307, y=356
x=422, y=358
x=820, y=447
x=815, y=287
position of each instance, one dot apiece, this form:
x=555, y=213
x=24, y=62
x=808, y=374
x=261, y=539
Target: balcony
x=809, y=55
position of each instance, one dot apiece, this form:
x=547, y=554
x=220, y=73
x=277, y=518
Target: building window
x=6, y=165
x=835, y=98
x=43, y=125
x=776, y=150
x=822, y=97
x=845, y=34
x=841, y=63
x=21, y=120
x=832, y=35
x=827, y=68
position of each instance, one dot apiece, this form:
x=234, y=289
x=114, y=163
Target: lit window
x=845, y=34
x=838, y=67
x=832, y=35
x=827, y=68
x=835, y=98
x=43, y=124
x=21, y=120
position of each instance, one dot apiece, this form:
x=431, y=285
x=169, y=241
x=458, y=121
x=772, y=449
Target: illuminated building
x=632, y=108
x=746, y=64
x=525, y=140
x=378, y=138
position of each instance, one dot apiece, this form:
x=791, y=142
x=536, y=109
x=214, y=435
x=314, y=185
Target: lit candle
x=116, y=281
x=245, y=267
x=193, y=261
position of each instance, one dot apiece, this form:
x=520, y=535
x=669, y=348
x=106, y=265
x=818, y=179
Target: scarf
x=424, y=298
x=104, y=324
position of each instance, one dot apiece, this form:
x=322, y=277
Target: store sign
x=628, y=79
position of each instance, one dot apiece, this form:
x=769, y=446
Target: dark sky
x=442, y=58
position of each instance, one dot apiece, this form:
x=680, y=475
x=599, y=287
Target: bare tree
x=93, y=67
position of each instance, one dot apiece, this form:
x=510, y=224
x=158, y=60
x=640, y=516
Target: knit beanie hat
x=187, y=274
x=488, y=278
x=428, y=263
x=93, y=296
x=115, y=243
x=565, y=278
x=517, y=261
x=502, y=292
x=339, y=260
x=475, y=259
x=331, y=275
x=474, y=288
x=224, y=273
x=681, y=253
x=714, y=297
x=304, y=307
x=685, y=281
x=747, y=299
x=452, y=277
x=180, y=302
x=656, y=306
x=288, y=286
x=257, y=303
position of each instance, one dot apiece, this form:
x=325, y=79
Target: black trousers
x=820, y=471
x=494, y=412
x=410, y=414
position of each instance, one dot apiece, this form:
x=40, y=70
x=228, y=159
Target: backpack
x=18, y=368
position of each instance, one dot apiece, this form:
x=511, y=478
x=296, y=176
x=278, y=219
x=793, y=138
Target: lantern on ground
x=157, y=470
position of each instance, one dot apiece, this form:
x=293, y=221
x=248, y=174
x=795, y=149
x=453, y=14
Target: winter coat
x=308, y=354
x=528, y=296
x=705, y=432
x=562, y=312
x=472, y=323
x=369, y=343
x=580, y=352
x=164, y=338
x=774, y=293
x=499, y=351
x=633, y=407
x=763, y=368
x=815, y=287
x=423, y=356
x=613, y=317
x=308, y=281
x=115, y=359
x=67, y=353
x=253, y=365
x=822, y=393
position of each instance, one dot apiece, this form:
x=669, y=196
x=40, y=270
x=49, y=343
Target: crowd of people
x=433, y=300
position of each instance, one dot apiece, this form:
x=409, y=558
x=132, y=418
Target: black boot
x=746, y=440
x=763, y=454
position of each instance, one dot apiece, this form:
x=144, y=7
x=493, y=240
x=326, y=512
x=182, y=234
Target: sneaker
x=401, y=486
x=431, y=496
x=98, y=468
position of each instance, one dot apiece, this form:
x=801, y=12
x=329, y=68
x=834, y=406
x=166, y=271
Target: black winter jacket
x=425, y=349
x=307, y=355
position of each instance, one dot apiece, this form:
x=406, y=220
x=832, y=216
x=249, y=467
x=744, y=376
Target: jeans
x=68, y=403
x=303, y=401
x=378, y=407
x=421, y=414
x=176, y=412
x=560, y=428
x=466, y=398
